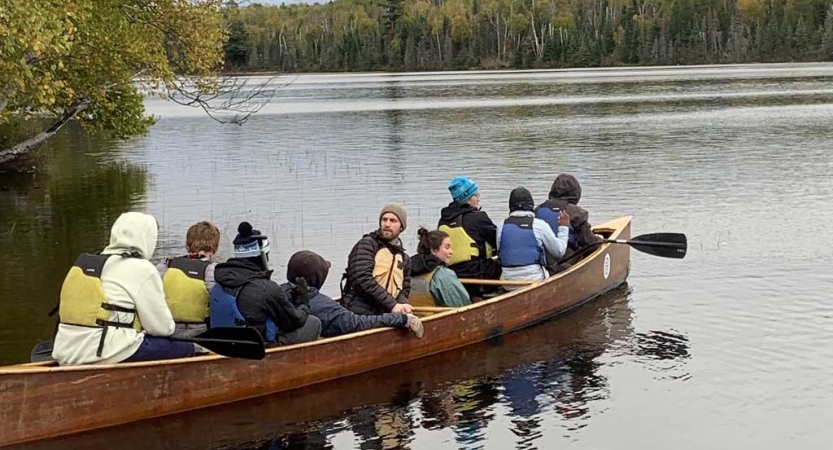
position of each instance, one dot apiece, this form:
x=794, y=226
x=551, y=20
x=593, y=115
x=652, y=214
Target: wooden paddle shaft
x=496, y=282
x=431, y=309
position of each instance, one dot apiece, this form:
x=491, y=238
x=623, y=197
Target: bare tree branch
x=227, y=99
x=23, y=147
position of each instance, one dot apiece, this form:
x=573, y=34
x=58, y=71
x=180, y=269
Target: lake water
x=725, y=349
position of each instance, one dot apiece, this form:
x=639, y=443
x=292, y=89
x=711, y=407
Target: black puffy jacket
x=362, y=294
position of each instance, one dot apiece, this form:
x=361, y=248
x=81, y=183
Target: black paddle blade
x=233, y=342
x=42, y=352
x=666, y=245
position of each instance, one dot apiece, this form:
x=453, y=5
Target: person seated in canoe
x=189, y=279
x=378, y=275
x=564, y=196
x=473, y=236
x=113, y=306
x=526, y=243
x=432, y=283
x=336, y=320
x=262, y=303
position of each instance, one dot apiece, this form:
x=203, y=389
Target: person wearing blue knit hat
x=473, y=235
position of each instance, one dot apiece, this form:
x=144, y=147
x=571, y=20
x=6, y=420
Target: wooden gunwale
x=39, y=402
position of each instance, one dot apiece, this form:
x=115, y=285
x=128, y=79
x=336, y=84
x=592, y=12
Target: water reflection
x=46, y=220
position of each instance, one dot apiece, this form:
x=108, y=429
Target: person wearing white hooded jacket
x=129, y=283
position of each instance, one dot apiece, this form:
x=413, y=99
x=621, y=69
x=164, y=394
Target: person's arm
x=360, y=265
x=583, y=230
x=488, y=230
x=287, y=316
x=152, y=309
x=448, y=290
x=209, y=276
x=555, y=245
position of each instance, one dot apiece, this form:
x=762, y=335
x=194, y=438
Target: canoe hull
x=38, y=403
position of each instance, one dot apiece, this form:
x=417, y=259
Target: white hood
x=133, y=232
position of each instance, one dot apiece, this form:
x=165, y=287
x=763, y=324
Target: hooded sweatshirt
x=261, y=298
x=565, y=194
x=132, y=283
x=336, y=320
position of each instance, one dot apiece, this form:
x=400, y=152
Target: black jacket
x=565, y=195
x=362, y=294
x=479, y=227
x=260, y=298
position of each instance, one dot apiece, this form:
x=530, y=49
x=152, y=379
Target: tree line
x=357, y=35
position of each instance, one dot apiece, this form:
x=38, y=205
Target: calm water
x=725, y=349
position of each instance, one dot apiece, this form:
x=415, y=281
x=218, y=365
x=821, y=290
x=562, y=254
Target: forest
x=360, y=35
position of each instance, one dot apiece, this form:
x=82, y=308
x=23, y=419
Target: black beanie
x=520, y=199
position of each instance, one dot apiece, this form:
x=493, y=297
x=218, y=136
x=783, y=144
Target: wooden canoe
x=468, y=372
x=38, y=402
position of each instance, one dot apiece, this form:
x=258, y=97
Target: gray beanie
x=397, y=209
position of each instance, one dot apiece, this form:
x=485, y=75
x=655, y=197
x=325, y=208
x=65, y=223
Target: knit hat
x=399, y=210
x=246, y=242
x=310, y=266
x=520, y=199
x=462, y=188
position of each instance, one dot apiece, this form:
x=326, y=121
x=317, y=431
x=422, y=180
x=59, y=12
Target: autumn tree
x=94, y=60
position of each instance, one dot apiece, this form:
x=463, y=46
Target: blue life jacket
x=550, y=215
x=518, y=245
x=223, y=312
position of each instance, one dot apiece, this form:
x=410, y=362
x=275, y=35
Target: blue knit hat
x=462, y=188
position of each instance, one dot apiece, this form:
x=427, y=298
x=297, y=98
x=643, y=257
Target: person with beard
x=526, y=243
x=432, y=283
x=564, y=196
x=378, y=271
x=473, y=236
x=336, y=320
x=260, y=299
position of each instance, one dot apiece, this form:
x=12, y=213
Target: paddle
x=665, y=245
x=233, y=342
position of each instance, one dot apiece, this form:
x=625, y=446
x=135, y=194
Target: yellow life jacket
x=464, y=247
x=83, y=301
x=389, y=271
x=185, y=290
x=420, y=290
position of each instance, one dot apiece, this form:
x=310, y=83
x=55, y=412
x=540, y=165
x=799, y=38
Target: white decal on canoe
x=607, y=265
